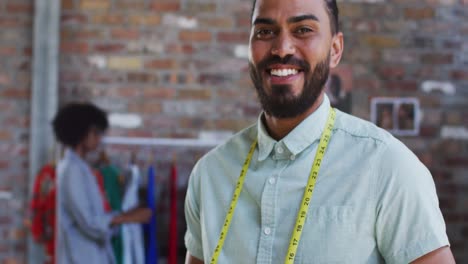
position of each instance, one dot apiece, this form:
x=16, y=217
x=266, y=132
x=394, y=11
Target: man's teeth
x=284, y=72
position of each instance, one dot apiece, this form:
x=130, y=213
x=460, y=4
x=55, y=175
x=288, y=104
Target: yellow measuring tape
x=307, y=197
x=230, y=213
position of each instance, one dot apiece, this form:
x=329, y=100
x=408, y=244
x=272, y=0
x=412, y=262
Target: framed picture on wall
x=400, y=116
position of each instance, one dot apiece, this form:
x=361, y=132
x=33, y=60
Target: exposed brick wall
x=181, y=66
x=394, y=48
x=15, y=75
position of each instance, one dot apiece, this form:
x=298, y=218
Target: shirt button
x=272, y=180
x=279, y=150
x=267, y=231
x=293, y=157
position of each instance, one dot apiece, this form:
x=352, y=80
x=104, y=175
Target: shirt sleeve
x=409, y=222
x=95, y=225
x=193, y=240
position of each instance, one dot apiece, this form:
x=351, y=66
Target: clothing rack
x=4, y=195
x=175, y=142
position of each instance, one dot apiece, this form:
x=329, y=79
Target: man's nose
x=283, y=46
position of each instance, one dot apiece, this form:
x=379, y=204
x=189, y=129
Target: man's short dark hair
x=332, y=10
x=74, y=121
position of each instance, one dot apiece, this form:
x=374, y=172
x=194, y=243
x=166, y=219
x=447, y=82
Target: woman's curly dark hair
x=74, y=121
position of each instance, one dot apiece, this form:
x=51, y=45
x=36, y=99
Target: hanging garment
x=133, y=247
x=100, y=182
x=113, y=190
x=172, y=259
x=150, y=229
x=43, y=210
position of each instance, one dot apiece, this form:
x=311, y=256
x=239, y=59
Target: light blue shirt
x=83, y=228
x=374, y=201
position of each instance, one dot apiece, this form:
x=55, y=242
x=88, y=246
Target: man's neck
x=80, y=151
x=278, y=128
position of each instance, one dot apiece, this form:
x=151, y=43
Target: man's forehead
x=287, y=8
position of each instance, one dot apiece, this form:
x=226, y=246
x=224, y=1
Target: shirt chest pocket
x=328, y=235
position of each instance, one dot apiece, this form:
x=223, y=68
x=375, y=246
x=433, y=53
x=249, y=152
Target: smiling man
x=308, y=183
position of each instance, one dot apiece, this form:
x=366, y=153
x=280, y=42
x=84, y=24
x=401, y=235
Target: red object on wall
x=172, y=258
x=43, y=209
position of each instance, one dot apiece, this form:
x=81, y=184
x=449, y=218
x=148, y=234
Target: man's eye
x=262, y=33
x=303, y=30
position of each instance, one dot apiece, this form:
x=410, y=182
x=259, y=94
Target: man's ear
x=336, y=50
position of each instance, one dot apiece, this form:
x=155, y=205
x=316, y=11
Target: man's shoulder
x=355, y=127
x=235, y=145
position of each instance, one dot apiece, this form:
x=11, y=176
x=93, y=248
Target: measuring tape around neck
x=306, y=199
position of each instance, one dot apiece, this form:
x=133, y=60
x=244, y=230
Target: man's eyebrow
x=267, y=21
x=297, y=19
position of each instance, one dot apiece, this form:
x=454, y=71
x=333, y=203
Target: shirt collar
x=302, y=136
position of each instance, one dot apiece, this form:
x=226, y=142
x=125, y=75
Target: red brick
x=195, y=123
x=166, y=6
x=14, y=93
x=4, y=79
x=457, y=162
x=161, y=64
x=67, y=5
x=180, y=48
x=217, y=22
x=195, y=36
x=437, y=58
x=128, y=5
x=13, y=22
x=4, y=164
x=233, y=37
x=107, y=48
x=231, y=124
x=378, y=41
x=429, y=131
x=12, y=260
x=145, y=20
x=243, y=21
x=108, y=19
x=104, y=77
x=18, y=8
x=74, y=47
x=367, y=84
x=7, y=51
x=18, y=121
x=80, y=33
x=419, y=13
x=145, y=107
x=159, y=93
x=127, y=34
x=460, y=75
x=142, y=77
x=5, y=220
x=392, y=72
x=72, y=76
x=95, y=5
x=194, y=94
x=197, y=8
x=5, y=135
x=27, y=51
x=401, y=85
x=441, y=176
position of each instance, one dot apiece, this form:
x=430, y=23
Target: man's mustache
x=289, y=60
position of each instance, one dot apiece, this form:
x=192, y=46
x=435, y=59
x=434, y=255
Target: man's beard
x=281, y=103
